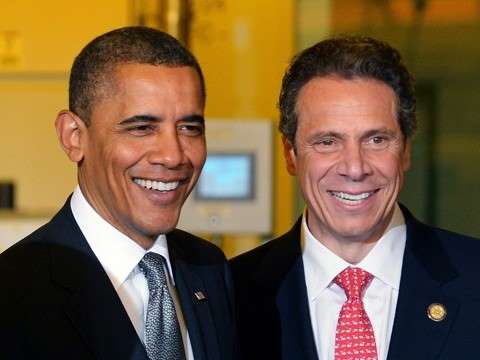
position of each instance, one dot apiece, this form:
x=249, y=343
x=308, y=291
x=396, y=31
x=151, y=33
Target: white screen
x=227, y=177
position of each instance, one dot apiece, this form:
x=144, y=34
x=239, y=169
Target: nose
x=167, y=149
x=353, y=164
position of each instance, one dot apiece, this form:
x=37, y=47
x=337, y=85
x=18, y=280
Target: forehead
x=135, y=79
x=344, y=103
x=156, y=90
x=124, y=74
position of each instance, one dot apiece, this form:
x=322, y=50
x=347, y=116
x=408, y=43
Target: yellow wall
x=243, y=47
x=33, y=87
x=29, y=154
x=52, y=32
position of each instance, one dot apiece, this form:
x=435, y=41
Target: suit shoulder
x=287, y=244
x=25, y=249
x=451, y=235
x=255, y=255
x=195, y=246
x=453, y=249
x=432, y=242
x=459, y=247
x=39, y=240
x=250, y=260
x=22, y=267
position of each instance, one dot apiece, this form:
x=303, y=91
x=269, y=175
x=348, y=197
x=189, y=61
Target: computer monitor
x=227, y=176
x=234, y=192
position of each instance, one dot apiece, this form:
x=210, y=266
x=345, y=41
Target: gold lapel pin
x=436, y=312
x=200, y=296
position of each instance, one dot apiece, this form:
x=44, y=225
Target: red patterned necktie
x=354, y=339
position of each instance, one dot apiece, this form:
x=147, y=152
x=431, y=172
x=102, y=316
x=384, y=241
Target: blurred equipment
x=14, y=225
x=171, y=16
x=7, y=195
x=234, y=192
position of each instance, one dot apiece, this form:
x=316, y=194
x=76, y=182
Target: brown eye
x=378, y=142
x=141, y=130
x=191, y=129
x=326, y=145
x=327, y=142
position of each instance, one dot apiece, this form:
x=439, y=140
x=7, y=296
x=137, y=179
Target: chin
x=163, y=228
x=362, y=233
x=160, y=225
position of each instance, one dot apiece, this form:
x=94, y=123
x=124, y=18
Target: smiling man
x=109, y=277
x=357, y=277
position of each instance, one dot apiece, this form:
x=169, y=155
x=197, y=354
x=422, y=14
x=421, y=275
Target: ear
x=290, y=156
x=70, y=132
x=407, y=153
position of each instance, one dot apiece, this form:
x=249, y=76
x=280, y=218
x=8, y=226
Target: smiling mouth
x=351, y=199
x=157, y=185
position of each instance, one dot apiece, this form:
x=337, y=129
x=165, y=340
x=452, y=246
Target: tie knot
x=353, y=281
x=152, y=266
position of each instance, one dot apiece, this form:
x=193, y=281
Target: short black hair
x=93, y=67
x=348, y=57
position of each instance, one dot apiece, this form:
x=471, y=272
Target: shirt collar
x=384, y=261
x=118, y=254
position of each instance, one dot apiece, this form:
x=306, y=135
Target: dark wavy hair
x=348, y=57
x=93, y=67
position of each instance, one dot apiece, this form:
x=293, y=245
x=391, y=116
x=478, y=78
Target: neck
x=351, y=248
x=352, y=253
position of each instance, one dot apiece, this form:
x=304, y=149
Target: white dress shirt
x=326, y=298
x=119, y=257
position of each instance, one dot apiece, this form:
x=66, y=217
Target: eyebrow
x=139, y=118
x=194, y=118
x=322, y=134
x=338, y=135
x=374, y=132
x=146, y=118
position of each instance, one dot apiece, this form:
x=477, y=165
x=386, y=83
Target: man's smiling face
x=350, y=157
x=144, y=148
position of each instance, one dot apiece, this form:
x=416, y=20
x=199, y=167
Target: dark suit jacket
x=438, y=267
x=57, y=302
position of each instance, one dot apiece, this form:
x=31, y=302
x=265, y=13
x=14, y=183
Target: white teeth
x=351, y=198
x=157, y=185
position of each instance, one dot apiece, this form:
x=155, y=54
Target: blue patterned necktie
x=163, y=339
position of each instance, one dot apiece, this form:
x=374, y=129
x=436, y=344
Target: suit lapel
x=92, y=304
x=197, y=312
x=425, y=272
x=282, y=274
x=297, y=337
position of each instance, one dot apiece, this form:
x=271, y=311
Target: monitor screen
x=227, y=176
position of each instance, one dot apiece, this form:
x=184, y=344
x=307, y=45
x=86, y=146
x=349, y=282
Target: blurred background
x=243, y=47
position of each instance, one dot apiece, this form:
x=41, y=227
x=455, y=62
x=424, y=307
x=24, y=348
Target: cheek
x=312, y=174
x=197, y=164
x=196, y=153
x=318, y=167
x=126, y=154
x=97, y=159
x=390, y=166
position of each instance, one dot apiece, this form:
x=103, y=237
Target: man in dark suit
x=109, y=277
x=357, y=277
